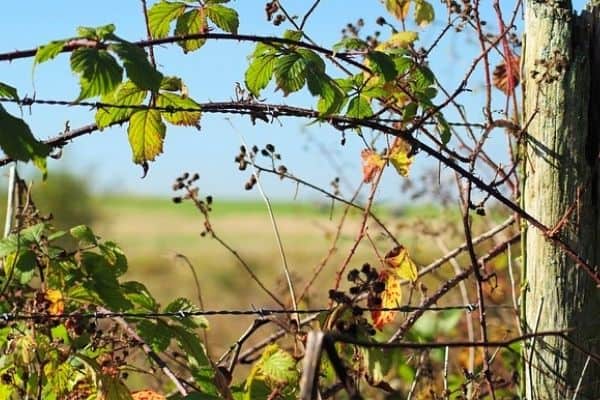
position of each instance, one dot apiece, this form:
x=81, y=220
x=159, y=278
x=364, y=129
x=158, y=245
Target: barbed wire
x=204, y=107
x=260, y=312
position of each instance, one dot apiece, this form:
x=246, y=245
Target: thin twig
x=580, y=381
x=10, y=199
x=469, y=320
x=533, y=340
x=284, y=263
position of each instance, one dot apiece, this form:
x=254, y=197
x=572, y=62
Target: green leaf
x=278, y=366
x=171, y=84
x=314, y=63
x=259, y=73
x=422, y=78
x=48, y=51
x=191, y=344
x=56, y=235
x=379, y=362
x=114, y=256
x=155, y=334
x=146, y=133
x=161, y=15
x=139, y=294
x=290, y=72
x=60, y=332
x=98, y=72
x=9, y=92
x=443, y=128
x=100, y=33
x=350, y=43
x=21, y=240
x=183, y=304
x=263, y=48
x=84, y=235
x=409, y=111
x=224, y=17
x=332, y=99
x=193, y=21
x=424, y=13
x=138, y=68
x=292, y=35
x=18, y=143
x=126, y=94
x=86, y=32
x=382, y=64
x=185, y=118
x=359, y=107
x=60, y=381
x=103, y=281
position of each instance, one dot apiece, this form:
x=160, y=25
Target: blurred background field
x=153, y=231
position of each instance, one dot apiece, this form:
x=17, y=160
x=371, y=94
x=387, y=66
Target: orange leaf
x=57, y=303
x=504, y=79
x=147, y=395
x=390, y=298
x=372, y=163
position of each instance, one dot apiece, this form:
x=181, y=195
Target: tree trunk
x=561, y=82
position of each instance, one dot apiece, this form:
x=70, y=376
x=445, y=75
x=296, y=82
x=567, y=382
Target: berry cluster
x=365, y=282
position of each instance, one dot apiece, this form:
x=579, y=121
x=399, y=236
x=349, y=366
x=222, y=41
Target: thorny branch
x=345, y=121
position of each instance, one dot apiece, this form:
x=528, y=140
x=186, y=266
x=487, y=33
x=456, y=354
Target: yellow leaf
x=399, y=260
x=424, y=13
x=399, y=40
x=398, y=8
x=146, y=133
x=57, y=303
x=147, y=395
x=390, y=298
x=399, y=156
x=372, y=163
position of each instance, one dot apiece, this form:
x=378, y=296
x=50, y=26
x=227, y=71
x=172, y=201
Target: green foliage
x=48, y=51
x=175, y=101
x=275, y=368
x=259, y=73
x=126, y=94
x=99, y=73
x=75, y=354
x=161, y=15
x=359, y=107
x=224, y=17
x=382, y=64
x=9, y=92
x=191, y=22
x=17, y=140
x=138, y=68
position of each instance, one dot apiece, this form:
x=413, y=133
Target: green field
x=153, y=231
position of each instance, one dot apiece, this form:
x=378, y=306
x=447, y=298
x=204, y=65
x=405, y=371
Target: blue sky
x=210, y=74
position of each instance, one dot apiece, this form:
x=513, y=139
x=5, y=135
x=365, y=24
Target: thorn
x=145, y=168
